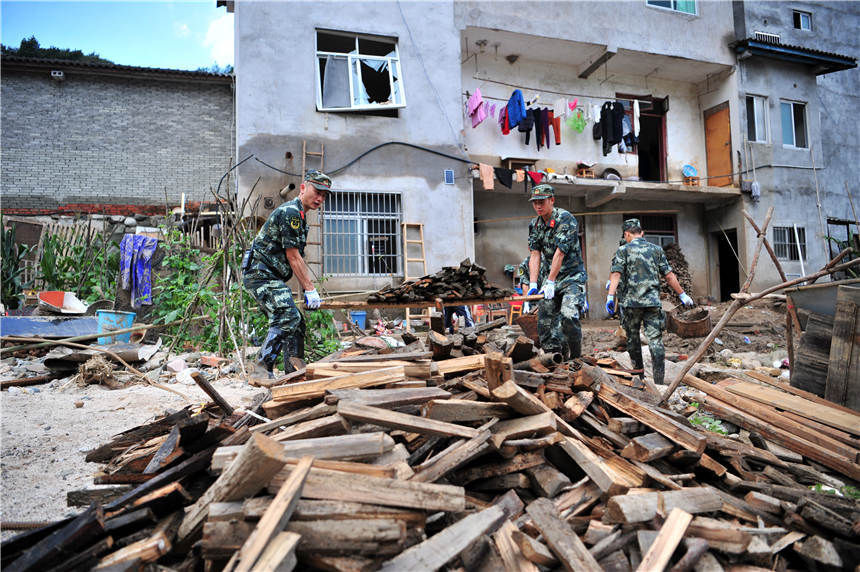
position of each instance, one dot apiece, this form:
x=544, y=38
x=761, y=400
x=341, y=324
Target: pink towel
x=487, y=177
x=476, y=108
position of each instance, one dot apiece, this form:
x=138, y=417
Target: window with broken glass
x=361, y=234
x=785, y=242
x=358, y=72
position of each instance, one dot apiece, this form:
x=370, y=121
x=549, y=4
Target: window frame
x=794, y=144
x=800, y=14
x=362, y=216
x=673, y=9
x=784, y=250
x=352, y=60
x=754, y=123
x=649, y=233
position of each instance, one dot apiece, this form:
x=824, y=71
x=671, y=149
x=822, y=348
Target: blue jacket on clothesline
x=516, y=108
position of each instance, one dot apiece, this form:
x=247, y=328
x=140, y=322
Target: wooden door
x=718, y=145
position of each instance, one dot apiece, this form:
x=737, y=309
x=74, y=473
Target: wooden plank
x=427, y=303
x=462, y=364
x=276, y=516
x=604, y=476
x=643, y=507
x=147, y=549
x=321, y=427
x=408, y=356
x=836, y=434
x=411, y=423
x=489, y=470
x=510, y=551
x=280, y=554
x=440, y=345
x=533, y=550
x=498, y=369
x=387, y=398
x=440, y=548
x=831, y=416
x=647, y=447
x=420, y=370
x=518, y=399
x=671, y=429
x=317, y=388
x=547, y=481
x=458, y=455
x=82, y=530
x=257, y=462
x=843, y=375
x=541, y=423
x=454, y=410
x=666, y=542
x=334, y=485
x=625, y=425
x=763, y=502
x=557, y=533
x=304, y=414
x=765, y=378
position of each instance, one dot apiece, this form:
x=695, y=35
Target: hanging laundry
x=505, y=176
x=492, y=110
x=506, y=124
x=571, y=105
x=476, y=109
x=527, y=124
x=577, y=121
x=516, y=108
x=559, y=107
x=627, y=137
x=636, y=117
x=135, y=266
x=538, y=113
x=611, y=116
x=546, y=118
x=556, y=128
x=486, y=176
x=535, y=176
x=520, y=175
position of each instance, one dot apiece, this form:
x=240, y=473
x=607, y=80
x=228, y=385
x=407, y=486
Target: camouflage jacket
x=522, y=274
x=285, y=228
x=561, y=232
x=642, y=265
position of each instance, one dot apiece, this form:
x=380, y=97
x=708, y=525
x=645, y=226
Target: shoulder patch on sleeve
x=295, y=222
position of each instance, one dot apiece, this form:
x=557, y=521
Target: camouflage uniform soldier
x=555, y=255
x=275, y=255
x=637, y=267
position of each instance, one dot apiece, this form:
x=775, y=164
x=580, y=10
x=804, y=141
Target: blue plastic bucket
x=359, y=318
x=110, y=321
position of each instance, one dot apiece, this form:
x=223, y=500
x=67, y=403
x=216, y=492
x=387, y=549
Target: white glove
x=312, y=299
x=532, y=288
x=685, y=300
x=526, y=308
x=548, y=289
x=608, y=282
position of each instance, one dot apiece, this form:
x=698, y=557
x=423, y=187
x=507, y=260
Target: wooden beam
x=321, y=427
x=843, y=375
x=607, y=54
x=317, y=388
x=276, y=516
x=461, y=364
x=421, y=369
x=666, y=542
x=541, y=423
x=458, y=410
x=387, y=398
x=510, y=551
x=558, y=534
x=280, y=554
x=643, y=507
x=455, y=457
x=411, y=423
x=647, y=447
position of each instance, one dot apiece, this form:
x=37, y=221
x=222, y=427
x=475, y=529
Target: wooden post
x=559, y=535
x=667, y=540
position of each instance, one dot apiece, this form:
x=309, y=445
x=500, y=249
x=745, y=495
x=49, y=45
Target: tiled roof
x=110, y=67
x=828, y=60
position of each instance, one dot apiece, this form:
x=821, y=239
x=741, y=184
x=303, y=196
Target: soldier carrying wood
x=555, y=253
x=275, y=255
x=637, y=267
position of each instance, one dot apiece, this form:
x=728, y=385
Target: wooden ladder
x=314, y=256
x=418, y=229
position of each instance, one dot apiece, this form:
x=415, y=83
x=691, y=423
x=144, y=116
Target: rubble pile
x=463, y=282
x=678, y=262
x=474, y=451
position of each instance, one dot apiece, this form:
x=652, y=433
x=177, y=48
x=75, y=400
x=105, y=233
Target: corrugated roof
x=829, y=60
x=72, y=64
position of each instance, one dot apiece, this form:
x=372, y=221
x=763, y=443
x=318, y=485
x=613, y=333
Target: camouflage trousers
x=558, y=322
x=653, y=320
x=276, y=300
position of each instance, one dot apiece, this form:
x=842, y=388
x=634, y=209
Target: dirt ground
x=44, y=437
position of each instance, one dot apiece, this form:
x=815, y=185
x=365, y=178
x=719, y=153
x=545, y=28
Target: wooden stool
x=516, y=310
x=691, y=181
x=585, y=173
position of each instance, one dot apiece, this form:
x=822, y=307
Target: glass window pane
x=335, y=43
x=787, y=125
x=367, y=47
x=760, y=119
x=805, y=22
x=751, y=119
x=395, y=76
x=661, y=3
x=686, y=6
x=371, y=81
x=799, y=125
x=334, y=81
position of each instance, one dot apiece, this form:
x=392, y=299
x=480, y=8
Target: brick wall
x=104, y=140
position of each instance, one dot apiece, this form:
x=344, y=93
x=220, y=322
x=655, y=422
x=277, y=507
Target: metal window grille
x=785, y=244
x=361, y=234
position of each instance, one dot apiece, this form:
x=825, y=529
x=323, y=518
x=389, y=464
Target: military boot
x=269, y=353
x=294, y=353
x=658, y=366
x=575, y=346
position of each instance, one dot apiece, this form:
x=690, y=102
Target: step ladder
x=414, y=266
x=313, y=257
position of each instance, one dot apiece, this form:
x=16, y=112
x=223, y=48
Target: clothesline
x=539, y=90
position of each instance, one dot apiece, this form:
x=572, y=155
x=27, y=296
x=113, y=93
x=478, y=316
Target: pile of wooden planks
x=403, y=461
x=463, y=282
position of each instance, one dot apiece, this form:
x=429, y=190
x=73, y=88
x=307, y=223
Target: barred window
x=785, y=242
x=361, y=233
x=657, y=229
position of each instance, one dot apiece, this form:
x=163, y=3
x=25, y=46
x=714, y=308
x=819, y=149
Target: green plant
x=88, y=268
x=708, y=423
x=849, y=491
x=13, y=255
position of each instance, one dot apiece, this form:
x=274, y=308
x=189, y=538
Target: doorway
x=727, y=263
x=718, y=145
x=651, y=155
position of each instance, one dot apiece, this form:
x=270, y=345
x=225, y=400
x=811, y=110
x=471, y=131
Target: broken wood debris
x=475, y=463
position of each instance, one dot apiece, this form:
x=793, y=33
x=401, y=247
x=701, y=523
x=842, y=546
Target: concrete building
x=362, y=79
x=798, y=86
x=105, y=138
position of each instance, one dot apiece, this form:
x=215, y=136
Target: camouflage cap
x=631, y=223
x=318, y=179
x=542, y=192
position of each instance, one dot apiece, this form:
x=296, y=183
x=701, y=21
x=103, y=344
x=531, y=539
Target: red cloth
x=506, y=125
x=535, y=177
x=556, y=127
